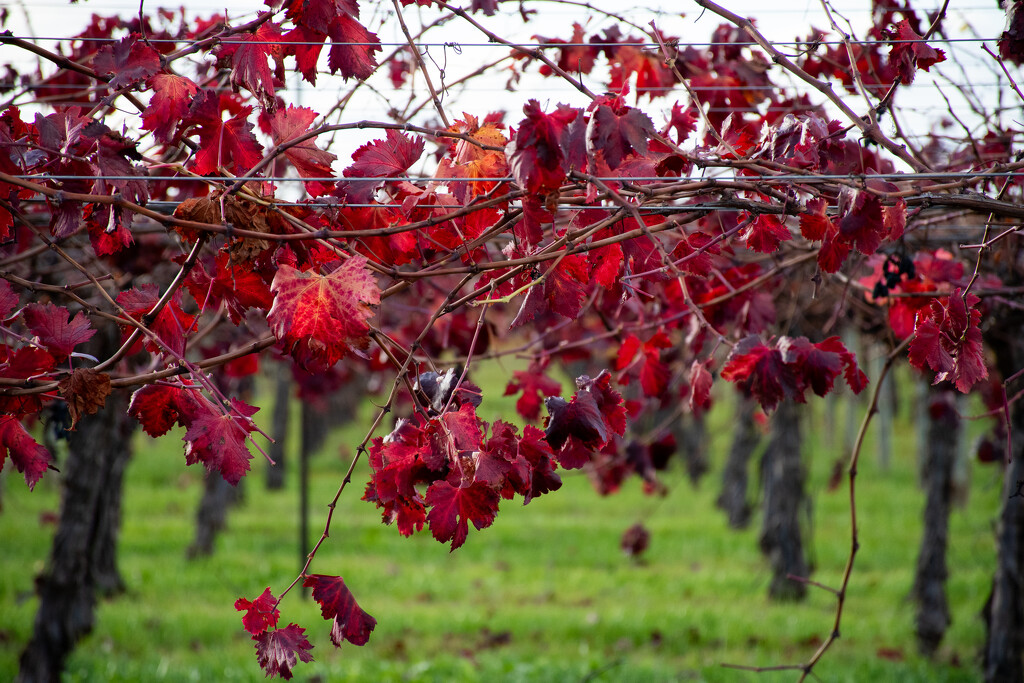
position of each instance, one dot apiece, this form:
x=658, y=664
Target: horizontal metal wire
x=302, y=87
x=538, y=45
x=934, y=175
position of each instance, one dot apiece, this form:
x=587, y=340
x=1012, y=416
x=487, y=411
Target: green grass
x=543, y=595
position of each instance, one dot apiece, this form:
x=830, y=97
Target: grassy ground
x=543, y=595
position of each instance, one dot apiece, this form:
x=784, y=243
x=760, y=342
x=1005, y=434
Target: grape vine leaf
x=247, y=54
x=765, y=234
x=85, y=391
x=352, y=48
x=278, y=651
x=50, y=325
x=28, y=456
x=260, y=614
x=319, y=318
x=8, y=300
x=217, y=439
x=128, y=60
x=336, y=601
x=617, y=131
x=909, y=53
x=158, y=407
x=587, y=422
x=790, y=366
x=452, y=508
x=948, y=340
x=309, y=160
x=535, y=153
x=172, y=98
x=171, y=325
x=535, y=386
x=229, y=143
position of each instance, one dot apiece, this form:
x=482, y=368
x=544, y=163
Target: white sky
x=780, y=22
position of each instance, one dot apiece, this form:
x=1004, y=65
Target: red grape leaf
x=563, y=291
x=948, y=340
x=862, y=224
x=237, y=286
x=765, y=234
x=909, y=52
x=385, y=158
x=85, y=391
x=606, y=265
x=587, y=421
x=308, y=159
x=50, y=325
x=495, y=461
x=760, y=371
x=318, y=14
x=260, y=614
x=817, y=368
x=318, y=318
x=28, y=456
x=452, y=436
x=8, y=299
x=305, y=44
x=617, y=133
x=218, y=440
x=171, y=324
x=815, y=224
x=535, y=450
x=535, y=155
x=854, y=376
x=451, y=510
x=700, y=386
x=535, y=386
x=580, y=417
x=277, y=651
x=172, y=97
x=20, y=364
x=158, y=407
x=230, y=143
x=128, y=60
x=351, y=623
x=352, y=48
x=247, y=57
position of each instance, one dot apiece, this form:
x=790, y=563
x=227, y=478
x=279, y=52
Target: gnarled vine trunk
x=83, y=559
x=783, y=474
x=279, y=427
x=940, y=453
x=733, y=498
x=1004, y=611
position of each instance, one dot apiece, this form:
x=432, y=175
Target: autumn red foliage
x=646, y=235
